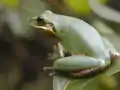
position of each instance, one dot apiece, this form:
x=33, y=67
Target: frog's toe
x=115, y=55
x=52, y=74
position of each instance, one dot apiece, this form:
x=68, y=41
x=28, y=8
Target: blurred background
x=24, y=50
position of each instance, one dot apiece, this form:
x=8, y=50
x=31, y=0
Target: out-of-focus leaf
x=104, y=11
x=81, y=6
x=108, y=32
x=102, y=28
x=107, y=82
x=28, y=9
x=13, y=3
x=14, y=23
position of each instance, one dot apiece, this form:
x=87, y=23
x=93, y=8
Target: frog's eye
x=40, y=19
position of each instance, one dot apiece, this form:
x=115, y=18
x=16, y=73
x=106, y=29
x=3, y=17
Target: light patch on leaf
x=102, y=27
x=104, y=12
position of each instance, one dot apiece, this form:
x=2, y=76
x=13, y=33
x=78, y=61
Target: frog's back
x=85, y=36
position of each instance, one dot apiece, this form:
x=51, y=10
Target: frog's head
x=47, y=22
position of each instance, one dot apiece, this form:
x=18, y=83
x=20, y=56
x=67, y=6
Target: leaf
x=81, y=6
x=104, y=11
x=101, y=27
x=13, y=3
x=28, y=9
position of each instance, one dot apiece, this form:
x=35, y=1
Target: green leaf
x=81, y=6
x=13, y=3
x=104, y=12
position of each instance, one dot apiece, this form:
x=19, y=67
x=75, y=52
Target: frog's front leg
x=79, y=65
x=110, y=48
x=58, y=52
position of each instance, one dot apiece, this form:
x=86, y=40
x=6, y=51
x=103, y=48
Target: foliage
x=104, y=11
x=11, y=3
x=81, y=6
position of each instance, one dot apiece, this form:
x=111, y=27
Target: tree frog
x=90, y=52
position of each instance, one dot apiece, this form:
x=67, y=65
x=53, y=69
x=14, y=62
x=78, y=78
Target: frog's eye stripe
x=38, y=19
x=32, y=25
x=36, y=26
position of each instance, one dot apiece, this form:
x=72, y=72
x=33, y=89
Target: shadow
x=29, y=57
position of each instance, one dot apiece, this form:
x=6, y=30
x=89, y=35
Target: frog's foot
x=87, y=71
x=49, y=69
x=52, y=74
x=114, y=55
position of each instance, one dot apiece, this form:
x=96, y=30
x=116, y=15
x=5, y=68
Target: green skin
x=76, y=36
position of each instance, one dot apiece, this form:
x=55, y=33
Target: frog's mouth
x=47, y=28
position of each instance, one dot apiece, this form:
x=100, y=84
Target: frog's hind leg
x=113, y=52
x=80, y=65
